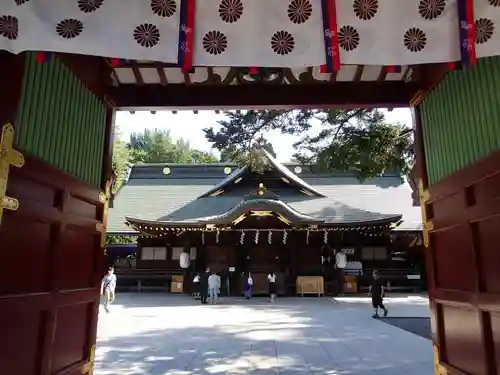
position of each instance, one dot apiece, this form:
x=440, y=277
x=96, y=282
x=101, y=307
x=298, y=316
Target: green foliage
x=120, y=161
x=153, y=147
x=253, y=157
x=120, y=240
x=232, y=154
x=359, y=140
x=156, y=146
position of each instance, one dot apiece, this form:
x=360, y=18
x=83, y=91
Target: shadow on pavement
x=419, y=326
x=154, y=334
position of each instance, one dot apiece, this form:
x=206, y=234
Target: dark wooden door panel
x=464, y=254
x=50, y=272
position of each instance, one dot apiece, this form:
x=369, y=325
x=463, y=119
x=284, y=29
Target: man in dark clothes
x=377, y=292
x=204, y=286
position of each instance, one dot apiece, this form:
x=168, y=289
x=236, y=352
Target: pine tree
x=359, y=140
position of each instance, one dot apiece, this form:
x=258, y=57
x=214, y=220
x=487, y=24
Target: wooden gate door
x=463, y=234
x=50, y=268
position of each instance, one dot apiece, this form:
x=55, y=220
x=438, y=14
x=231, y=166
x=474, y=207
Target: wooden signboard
x=310, y=285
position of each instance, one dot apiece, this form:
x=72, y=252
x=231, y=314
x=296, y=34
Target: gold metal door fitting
x=8, y=157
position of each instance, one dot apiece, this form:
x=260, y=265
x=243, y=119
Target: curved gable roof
x=286, y=173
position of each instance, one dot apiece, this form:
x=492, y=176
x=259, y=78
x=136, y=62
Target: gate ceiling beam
x=340, y=94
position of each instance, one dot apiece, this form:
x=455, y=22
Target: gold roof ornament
x=239, y=219
x=261, y=213
x=283, y=219
x=262, y=189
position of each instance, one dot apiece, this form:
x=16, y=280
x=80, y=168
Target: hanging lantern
x=257, y=236
x=269, y=237
x=285, y=234
x=217, y=236
x=184, y=260
x=242, y=237
x=340, y=260
x=307, y=237
x=325, y=237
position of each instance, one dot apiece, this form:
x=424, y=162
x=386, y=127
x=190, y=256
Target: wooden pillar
x=11, y=76
x=423, y=185
x=107, y=160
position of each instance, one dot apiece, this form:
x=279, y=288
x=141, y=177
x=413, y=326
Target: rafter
x=382, y=75
x=359, y=73
x=137, y=74
x=162, y=75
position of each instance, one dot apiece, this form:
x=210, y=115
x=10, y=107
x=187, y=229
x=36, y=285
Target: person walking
x=377, y=292
x=213, y=288
x=108, y=286
x=271, y=279
x=204, y=286
x=248, y=286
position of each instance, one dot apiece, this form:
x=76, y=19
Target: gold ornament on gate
x=104, y=198
x=424, y=198
x=88, y=368
x=439, y=369
x=8, y=157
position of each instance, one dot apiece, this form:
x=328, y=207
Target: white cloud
x=188, y=125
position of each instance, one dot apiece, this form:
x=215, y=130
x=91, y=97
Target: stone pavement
x=162, y=334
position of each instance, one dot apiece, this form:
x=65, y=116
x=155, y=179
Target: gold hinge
x=8, y=157
x=439, y=369
x=104, y=198
x=425, y=196
x=88, y=368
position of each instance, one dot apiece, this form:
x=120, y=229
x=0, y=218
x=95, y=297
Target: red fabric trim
x=188, y=57
x=332, y=13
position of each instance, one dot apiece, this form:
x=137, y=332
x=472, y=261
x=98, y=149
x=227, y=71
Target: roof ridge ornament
x=262, y=189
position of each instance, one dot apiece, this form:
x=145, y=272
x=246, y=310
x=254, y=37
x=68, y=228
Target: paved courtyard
x=161, y=334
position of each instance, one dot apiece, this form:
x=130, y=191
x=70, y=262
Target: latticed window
x=154, y=253
x=374, y=253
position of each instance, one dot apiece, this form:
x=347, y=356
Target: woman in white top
x=196, y=286
x=248, y=286
x=271, y=279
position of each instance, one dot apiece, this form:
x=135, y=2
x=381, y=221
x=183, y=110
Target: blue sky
x=187, y=125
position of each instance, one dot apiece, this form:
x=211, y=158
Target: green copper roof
x=180, y=195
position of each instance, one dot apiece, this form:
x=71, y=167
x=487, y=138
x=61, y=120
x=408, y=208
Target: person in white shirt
x=213, y=288
x=108, y=286
x=271, y=279
x=196, y=286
